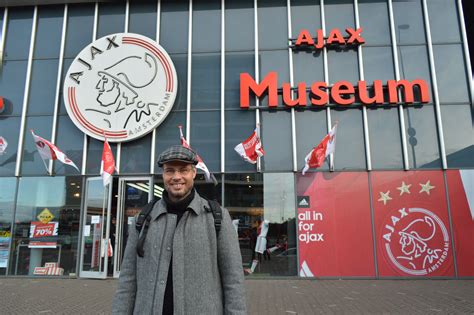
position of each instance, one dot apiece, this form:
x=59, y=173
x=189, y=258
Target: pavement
x=264, y=296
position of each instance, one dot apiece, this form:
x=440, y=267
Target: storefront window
x=7, y=206
x=264, y=205
x=46, y=226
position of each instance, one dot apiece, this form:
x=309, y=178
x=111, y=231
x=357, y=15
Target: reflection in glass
x=135, y=156
x=206, y=93
x=111, y=19
x=206, y=26
x=408, y=20
x=17, y=44
x=48, y=31
x=458, y=135
x=142, y=18
x=79, y=28
x=12, y=85
x=239, y=125
x=449, y=64
x=174, y=25
x=343, y=66
x=32, y=163
x=43, y=87
x=339, y=14
x=444, y=23
x=239, y=25
x=350, y=139
x=276, y=139
x=61, y=196
x=7, y=206
x=9, y=130
x=385, y=138
x=305, y=14
x=373, y=17
x=206, y=137
x=422, y=139
x=272, y=24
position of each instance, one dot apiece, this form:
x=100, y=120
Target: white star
x=404, y=188
x=426, y=187
x=384, y=197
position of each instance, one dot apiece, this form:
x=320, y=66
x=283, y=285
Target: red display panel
x=461, y=200
x=411, y=223
x=334, y=225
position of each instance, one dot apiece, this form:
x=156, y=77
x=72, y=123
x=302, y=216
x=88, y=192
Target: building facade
x=396, y=199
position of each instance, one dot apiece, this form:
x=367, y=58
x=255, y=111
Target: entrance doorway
x=133, y=194
x=107, y=217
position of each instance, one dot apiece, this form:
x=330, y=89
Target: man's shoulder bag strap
x=142, y=223
x=216, y=211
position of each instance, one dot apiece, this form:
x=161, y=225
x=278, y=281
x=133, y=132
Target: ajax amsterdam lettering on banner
x=122, y=85
x=320, y=93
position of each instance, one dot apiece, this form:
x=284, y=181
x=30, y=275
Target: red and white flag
x=251, y=149
x=316, y=157
x=209, y=176
x=107, y=166
x=3, y=145
x=47, y=150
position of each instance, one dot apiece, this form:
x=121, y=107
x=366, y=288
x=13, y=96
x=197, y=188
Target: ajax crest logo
x=122, y=85
x=416, y=241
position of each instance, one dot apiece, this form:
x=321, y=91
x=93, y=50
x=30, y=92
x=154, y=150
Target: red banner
x=334, y=225
x=461, y=199
x=411, y=223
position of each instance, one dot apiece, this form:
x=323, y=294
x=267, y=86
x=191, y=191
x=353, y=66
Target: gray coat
x=207, y=271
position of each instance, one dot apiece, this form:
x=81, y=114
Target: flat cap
x=178, y=153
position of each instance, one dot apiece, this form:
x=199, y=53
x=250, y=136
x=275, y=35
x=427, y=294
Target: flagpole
x=45, y=166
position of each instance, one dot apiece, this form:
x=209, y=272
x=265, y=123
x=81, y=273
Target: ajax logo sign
x=416, y=241
x=122, y=85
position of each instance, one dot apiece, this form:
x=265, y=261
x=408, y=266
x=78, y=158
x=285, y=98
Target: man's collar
x=196, y=206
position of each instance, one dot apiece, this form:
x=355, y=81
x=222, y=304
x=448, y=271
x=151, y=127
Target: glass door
x=133, y=195
x=95, y=242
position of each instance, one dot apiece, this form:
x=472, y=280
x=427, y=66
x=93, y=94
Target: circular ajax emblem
x=416, y=241
x=122, y=86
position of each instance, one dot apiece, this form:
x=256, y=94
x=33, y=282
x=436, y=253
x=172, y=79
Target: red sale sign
x=39, y=229
x=334, y=225
x=411, y=224
x=461, y=200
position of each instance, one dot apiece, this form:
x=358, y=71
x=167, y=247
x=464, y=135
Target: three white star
x=404, y=188
x=426, y=187
x=384, y=197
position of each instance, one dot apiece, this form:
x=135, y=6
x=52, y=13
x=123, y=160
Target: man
x=186, y=267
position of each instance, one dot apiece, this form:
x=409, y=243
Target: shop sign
x=39, y=229
x=122, y=86
x=45, y=216
x=319, y=93
x=335, y=38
